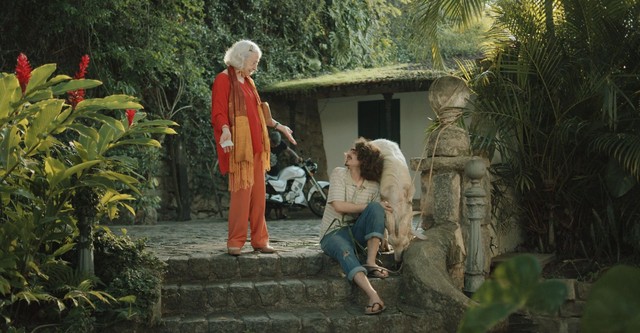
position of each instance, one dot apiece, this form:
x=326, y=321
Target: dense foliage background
x=168, y=52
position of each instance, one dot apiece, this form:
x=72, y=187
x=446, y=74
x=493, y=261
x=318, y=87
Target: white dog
x=397, y=188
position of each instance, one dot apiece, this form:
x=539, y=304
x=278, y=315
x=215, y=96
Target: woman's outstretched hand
x=287, y=133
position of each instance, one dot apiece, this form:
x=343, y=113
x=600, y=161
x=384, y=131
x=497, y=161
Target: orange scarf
x=241, y=159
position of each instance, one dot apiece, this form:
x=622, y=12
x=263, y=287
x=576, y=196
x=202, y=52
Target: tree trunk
x=180, y=178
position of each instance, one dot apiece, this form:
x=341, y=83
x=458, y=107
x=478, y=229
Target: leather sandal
x=267, y=249
x=374, y=308
x=234, y=251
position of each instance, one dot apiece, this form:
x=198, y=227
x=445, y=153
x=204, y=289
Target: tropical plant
x=514, y=285
x=431, y=17
x=562, y=115
x=57, y=177
x=613, y=303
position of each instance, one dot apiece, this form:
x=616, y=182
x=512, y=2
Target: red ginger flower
x=23, y=71
x=130, y=114
x=77, y=96
x=84, y=64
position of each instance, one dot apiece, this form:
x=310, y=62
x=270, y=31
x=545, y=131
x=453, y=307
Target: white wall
x=339, y=121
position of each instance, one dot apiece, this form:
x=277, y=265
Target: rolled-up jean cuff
x=373, y=234
x=356, y=270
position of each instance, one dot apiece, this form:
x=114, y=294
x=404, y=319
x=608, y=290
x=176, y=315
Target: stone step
x=221, y=266
x=346, y=318
x=276, y=294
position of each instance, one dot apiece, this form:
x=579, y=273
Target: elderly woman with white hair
x=240, y=122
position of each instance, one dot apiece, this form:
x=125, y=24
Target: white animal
x=397, y=188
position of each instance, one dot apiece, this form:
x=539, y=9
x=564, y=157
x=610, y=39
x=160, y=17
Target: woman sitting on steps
x=354, y=218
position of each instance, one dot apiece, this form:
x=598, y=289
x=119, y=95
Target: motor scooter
x=295, y=187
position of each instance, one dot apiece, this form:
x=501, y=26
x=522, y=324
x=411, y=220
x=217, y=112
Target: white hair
x=239, y=51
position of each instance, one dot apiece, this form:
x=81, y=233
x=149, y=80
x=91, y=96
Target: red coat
x=220, y=115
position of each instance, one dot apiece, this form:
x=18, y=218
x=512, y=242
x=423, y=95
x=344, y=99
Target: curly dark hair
x=371, y=160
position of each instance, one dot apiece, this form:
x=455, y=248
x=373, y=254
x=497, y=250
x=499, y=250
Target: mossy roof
x=389, y=75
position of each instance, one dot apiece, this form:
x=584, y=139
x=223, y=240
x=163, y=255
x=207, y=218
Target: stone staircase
x=297, y=290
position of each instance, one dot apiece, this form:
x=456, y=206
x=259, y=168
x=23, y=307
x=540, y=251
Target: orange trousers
x=246, y=208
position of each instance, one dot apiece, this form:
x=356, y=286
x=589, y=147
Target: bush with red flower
x=59, y=175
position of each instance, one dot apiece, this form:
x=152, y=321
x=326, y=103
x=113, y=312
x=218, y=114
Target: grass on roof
x=381, y=74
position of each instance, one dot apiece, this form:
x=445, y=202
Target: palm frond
x=428, y=16
x=623, y=147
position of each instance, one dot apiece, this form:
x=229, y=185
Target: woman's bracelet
x=276, y=125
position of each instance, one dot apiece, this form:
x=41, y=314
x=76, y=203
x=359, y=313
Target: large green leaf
x=106, y=137
x=482, y=318
x=72, y=85
x=39, y=95
x=9, y=147
x=511, y=282
x=64, y=249
x=10, y=94
x=54, y=171
x=514, y=285
x=43, y=122
x=113, y=102
x=119, y=177
x=58, y=78
x=156, y=122
x=614, y=302
x=85, y=131
x=617, y=179
x=39, y=77
x=139, y=141
x=547, y=296
x=78, y=168
x=114, y=123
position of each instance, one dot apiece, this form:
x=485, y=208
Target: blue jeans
x=339, y=245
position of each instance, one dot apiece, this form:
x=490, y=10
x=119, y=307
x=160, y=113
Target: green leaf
x=139, y=141
x=40, y=95
x=158, y=130
x=39, y=77
x=514, y=285
x=42, y=122
x=614, y=302
x=482, y=318
x=59, y=78
x=10, y=94
x=106, y=137
x=63, y=249
x=79, y=168
x=547, y=296
x=86, y=131
x=113, y=102
x=618, y=180
x=9, y=147
x=110, y=121
x=54, y=171
x=72, y=85
x=127, y=299
x=127, y=180
x=157, y=122
x=511, y=282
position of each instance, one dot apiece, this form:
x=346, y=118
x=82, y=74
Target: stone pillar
x=443, y=178
x=442, y=169
x=475, y=195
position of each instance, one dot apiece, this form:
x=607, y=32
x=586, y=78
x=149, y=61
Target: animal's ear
x=418, y=235
x=391, y=223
